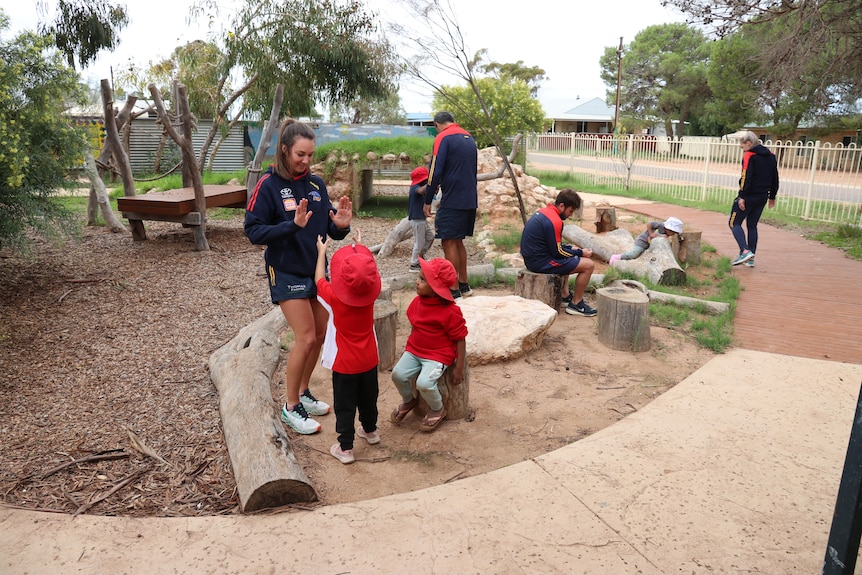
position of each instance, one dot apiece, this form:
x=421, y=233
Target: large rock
x=504, y=327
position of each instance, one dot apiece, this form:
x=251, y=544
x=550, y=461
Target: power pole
x=619, y=80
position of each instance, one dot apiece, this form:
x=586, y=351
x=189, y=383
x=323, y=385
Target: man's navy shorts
x=559, y=267
x=284, y=286
x=454, y=224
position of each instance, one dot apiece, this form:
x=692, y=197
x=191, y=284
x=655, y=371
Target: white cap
x=674, y=225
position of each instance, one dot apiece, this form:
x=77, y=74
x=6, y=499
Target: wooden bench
x=177, y=206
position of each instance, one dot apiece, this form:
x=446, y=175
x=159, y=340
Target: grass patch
x=416, y=147
x=426, y=458
x=711, y=277
x=845, y=237
x=387, y=207
x=507, y=238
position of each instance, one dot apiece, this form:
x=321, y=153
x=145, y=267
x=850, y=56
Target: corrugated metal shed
x=146, y=135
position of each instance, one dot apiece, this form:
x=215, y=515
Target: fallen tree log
x=656, y=263
x=707, y=306
x=266, y=470
x=399, y=233
x=604, y=246
x=710, y=307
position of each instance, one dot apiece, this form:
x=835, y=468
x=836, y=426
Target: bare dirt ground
x=106, y=341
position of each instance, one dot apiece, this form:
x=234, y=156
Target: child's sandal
x=400, y=412
x=430, y=422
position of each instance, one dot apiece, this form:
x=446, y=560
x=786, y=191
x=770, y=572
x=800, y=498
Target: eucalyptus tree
x=663, y=74
x=819, y=43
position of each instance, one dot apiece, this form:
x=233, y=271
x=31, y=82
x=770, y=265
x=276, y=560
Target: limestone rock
x=504, y=327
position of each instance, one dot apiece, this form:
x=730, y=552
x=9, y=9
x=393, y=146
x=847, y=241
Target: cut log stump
x=686, y=246
x=456, y=398
x=547, y=288
x=606, y=219
x=265, y=468
x=623, y=319
x=386, y=328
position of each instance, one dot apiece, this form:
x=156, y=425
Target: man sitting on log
x=544, y=252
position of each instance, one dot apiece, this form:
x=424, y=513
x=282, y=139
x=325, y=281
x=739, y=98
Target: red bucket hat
x=440, y=275
x=355, y=279
x=418, y=175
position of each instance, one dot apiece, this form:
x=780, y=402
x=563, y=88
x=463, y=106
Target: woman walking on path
x=758, y=185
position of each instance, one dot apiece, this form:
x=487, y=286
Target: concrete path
x=734, y=470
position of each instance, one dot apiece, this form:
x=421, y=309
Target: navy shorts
x=454, y=224
x=559, y=267
x=284, y=286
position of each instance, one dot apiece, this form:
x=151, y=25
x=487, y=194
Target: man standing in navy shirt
x=453, y=171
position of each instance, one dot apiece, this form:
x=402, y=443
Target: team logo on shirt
x=314, y=196
x=288, y=200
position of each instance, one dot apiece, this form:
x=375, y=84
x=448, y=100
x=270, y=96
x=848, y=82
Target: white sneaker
x=344, y=457
x=372, y=438
x=313, y=405
x=298, y=420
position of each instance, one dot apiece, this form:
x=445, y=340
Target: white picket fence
x=819, y=181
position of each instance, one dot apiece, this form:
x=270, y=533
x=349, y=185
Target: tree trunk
x=185, y=144
x=265, y=468
x=656, y=263
x=114, y=137
x=623, y=319
x=269, y=129
x=386, y=329
x=399, y=233
x=456, y=398
x=606, y=219
x=102, y=194
x=139, y=233
x=686, y=246
x=604, y=246
x=546, y=288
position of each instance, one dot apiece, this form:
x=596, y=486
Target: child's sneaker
x=372, y=438
x=313, y=405
x=614, y=259
x=742, y=258
x=749, y=263
x=580, y=308
x=344, y=456
x=297, y=418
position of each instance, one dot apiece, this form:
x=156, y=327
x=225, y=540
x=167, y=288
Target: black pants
x=351, y=392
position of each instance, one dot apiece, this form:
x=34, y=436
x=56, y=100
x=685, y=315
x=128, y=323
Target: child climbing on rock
x=670, y=227
x=436, y=341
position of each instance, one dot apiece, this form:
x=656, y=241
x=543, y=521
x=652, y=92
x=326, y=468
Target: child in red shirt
x=350, y=346
x=436, y=341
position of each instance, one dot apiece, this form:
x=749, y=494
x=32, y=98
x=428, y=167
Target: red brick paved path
x=802, y=299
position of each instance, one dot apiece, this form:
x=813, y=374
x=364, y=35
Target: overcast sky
x=564, y=37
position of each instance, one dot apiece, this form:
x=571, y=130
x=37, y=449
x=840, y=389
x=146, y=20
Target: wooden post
x=456, y=398
x=686, y=246
x=386, y=327
x=606, y=219
x=623, y=319
x=547, y=288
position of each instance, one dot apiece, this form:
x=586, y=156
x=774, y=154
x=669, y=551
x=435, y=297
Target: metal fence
x=819, y=181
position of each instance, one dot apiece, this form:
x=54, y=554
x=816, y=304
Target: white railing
x=819, y=181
